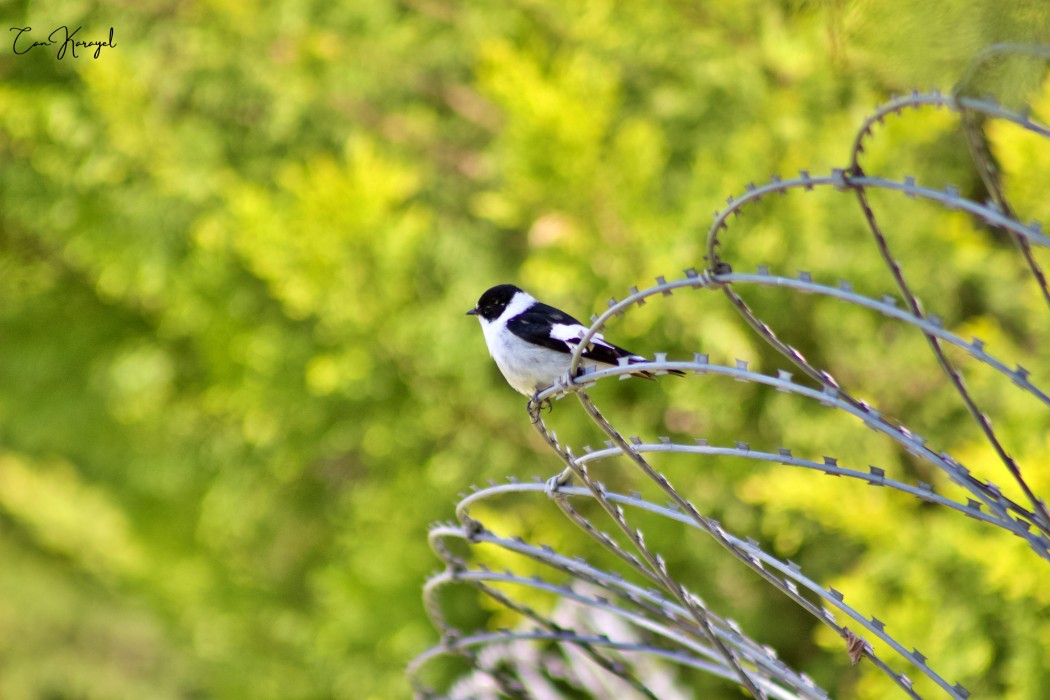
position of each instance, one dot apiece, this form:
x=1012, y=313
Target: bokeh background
x=236, y=381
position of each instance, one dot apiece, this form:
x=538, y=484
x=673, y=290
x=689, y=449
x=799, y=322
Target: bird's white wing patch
x=570, y=333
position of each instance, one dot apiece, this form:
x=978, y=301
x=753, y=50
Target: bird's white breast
x=527, y=367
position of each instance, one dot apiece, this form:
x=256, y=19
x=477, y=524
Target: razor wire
x=663, y=620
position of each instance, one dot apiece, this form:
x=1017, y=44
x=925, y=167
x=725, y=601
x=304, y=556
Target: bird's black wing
x=552, y=328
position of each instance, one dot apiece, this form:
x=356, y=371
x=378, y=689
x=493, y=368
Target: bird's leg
x=534, y=406
x=556, y=482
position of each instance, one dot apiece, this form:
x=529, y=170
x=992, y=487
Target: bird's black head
x=494, y=301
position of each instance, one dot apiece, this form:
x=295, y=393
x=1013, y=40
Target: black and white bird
x=532, y=343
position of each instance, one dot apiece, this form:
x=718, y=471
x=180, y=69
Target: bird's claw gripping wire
x=535, y=406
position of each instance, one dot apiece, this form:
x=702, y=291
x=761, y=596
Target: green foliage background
x=236, y=381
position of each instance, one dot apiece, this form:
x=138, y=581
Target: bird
x=532, y=342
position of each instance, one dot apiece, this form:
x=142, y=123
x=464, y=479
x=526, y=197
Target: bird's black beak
x=472, y=312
